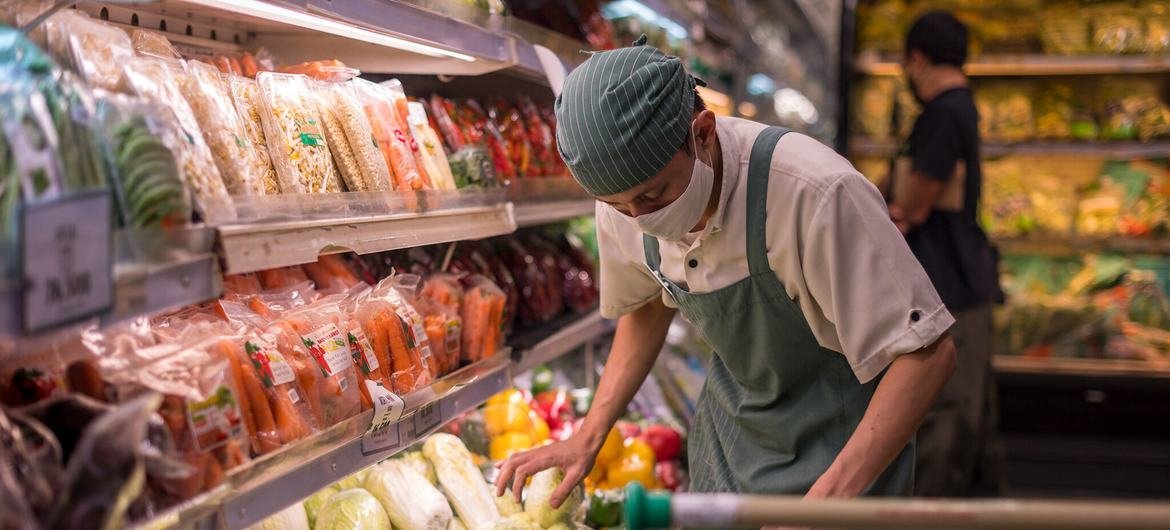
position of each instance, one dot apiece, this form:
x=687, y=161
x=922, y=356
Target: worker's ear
x=704, y=130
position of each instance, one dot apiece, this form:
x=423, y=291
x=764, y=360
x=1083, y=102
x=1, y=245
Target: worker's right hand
x=574, y=456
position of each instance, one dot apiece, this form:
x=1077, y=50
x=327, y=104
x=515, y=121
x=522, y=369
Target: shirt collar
x=730, y=149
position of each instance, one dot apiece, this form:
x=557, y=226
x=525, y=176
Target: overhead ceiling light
x=267, y=11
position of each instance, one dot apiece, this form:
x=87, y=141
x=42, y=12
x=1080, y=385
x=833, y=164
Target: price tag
x=66, y=259
x=383, y=434
x=427, y=417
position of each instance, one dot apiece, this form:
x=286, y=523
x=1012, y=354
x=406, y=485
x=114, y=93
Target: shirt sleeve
x=935, y=145
x=626, y=284
x=868, y=284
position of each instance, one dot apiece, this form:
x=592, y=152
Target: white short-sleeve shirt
x=830, y=242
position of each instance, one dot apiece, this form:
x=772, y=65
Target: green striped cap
x=622, y=115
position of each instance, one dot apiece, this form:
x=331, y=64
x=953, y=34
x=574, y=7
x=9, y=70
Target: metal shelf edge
x=1120, y=150
x=540, y=213
x=248, y=248
x=563, y=341
x=1037, y=65
x=1067, y=244
x=1083, y=367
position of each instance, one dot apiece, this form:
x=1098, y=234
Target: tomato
x=666, y=442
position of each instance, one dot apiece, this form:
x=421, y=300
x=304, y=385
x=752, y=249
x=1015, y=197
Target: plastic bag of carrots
x=392, y=134
x=202, y=408
x=275, y=407
x=445, y=289
x=331, y=274
x=236, y=286
x=398, y=337
x=444, y=332
x=311, y=338
x=282, y=278
x=483, y=317
x=404, y=293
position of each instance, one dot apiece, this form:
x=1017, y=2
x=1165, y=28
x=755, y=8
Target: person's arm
x=911, y=210
x=636, y=343
x=899, y=403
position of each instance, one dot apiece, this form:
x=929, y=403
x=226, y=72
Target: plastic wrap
x=510, y=123
x=327, y=373
x=292, y=128
x=483, y=313
x=331, y=70
x=444, y=328
x=540, y=138
x=145, y=175
x=158, y=81
x=283, y=277
x=330, y=273
x=153, y=43
x=246, y=96
x=476, y=119
x=352, y=509
x=426, y=168
x=97, y=50
x=444, y=289
x=246, y=284
x=392, y=138
x=1117, y=28
x=223, y=129
x=431, y=146
x=389, y=324
x=344, y=157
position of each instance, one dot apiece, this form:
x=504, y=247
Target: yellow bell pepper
x=540, y=431
x=637, y=448
x=505, y=444
x=611, y=450
x=631, y=469
x=510, y=395
x=505, y=417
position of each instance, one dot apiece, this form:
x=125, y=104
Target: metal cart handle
x=693, y=510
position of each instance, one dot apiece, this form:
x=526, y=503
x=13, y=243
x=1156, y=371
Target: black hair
x=700, y=106
x=940, y=37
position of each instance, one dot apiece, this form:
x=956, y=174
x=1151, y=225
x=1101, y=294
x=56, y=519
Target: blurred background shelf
x=1062, y=245
x=1024, y=65
x=535, y=214
x=1111, y=150
x=566, y=335
x=1054, y=366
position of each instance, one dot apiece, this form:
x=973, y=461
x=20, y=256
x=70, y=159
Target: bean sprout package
x=158, y=80
x=223, y=130
x=296, y=138
x=312, y=337
x=95, y=49
x=355, y=150
x=246, y=96
x=201, y=406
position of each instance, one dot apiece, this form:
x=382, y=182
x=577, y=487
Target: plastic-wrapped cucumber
x=472, y=167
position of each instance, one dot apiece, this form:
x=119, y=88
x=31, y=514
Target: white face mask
x=673, y=221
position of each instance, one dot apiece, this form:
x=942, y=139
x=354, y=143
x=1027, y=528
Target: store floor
x=1085, y=436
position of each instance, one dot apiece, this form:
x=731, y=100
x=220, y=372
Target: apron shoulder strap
x=759, y=168
x=650, y=247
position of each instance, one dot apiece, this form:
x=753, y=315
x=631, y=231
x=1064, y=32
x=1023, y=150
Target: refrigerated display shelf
x=253, y=247
x=543, y=213
x=1036, y=65
x=530, y=351
x=1112, y=150
x=277, y=480
x=1055, y=366
x=1064, y=245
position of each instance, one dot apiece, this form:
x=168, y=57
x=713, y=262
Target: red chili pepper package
x=538, y=304
x=550, y=118
x=557, y=269
x=483, y=314
x=442, y=112
x=201, y=408
x=541, y=138
x=491, y=137
x=312, y=337
x=510, y=122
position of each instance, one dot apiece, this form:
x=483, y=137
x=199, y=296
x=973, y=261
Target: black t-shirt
x=950, y=245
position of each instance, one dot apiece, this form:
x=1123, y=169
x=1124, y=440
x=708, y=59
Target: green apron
x=776, y=407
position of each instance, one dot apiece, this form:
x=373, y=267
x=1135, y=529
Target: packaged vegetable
x=478, y=121
x=422, y=161
x=97, y=50
x=332, y=387
x=331, y=70
x=352, y=509
x=246, y=96
x=283, y=277
x=392, y=342
x=444, y=328
x=540, y=138
x=158, y=81
x=374, y=173
x=409, y=499
x=434, y=157
x=461, y=480
x=145, y=176
x=402, y=291
x=153, y=43
x=343, y=156
x=510, y=123
x=441, y=110
x=393, y=139
x=292, y=128
x=420, y=463
x=330, y=273
x=223, y=129
x=242, y=284
x=445, y=289
x=483, y=309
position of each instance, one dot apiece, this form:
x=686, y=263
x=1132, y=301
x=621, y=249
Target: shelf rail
x=654, y=510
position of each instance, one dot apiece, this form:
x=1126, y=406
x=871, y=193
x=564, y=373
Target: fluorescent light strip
x=267, y=11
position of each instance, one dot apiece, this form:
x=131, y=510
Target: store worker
x=830, y=343
x=934, y=200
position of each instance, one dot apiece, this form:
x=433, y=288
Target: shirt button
x=693, y=263
x=915, y=316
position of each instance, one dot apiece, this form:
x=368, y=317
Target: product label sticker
x=383, y=434
x=363, y=352
x=454, y=338
x=294, y=396
x=66, y=259
x=330, y=348
x=215, y=420
x=274, y=369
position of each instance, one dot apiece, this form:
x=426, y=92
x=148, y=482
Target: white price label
x=428, y=417
x=66, y=260
x=383, y=434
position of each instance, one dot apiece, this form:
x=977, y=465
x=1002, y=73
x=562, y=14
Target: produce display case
x=1074, y=121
